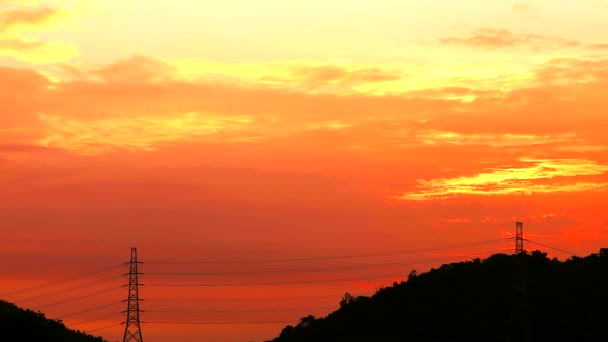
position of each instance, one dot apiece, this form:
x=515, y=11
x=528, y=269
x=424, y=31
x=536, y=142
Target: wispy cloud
x=525, y=9
x=80, y=110
x=503, y=38
x=16, y=43
x=14, y=19
x=37, y=52
x=530, y=176
x=136, y=132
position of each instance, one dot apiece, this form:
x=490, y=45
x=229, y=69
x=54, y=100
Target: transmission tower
x=132, y=328
x=519, y=237
x=519, y=316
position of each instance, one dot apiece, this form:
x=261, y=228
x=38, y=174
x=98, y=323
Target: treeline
x=524, y=297
x=17, y=324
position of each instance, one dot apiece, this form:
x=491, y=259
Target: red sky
x=242, y=132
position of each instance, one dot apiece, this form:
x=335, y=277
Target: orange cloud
x=563, y=71
x=138, y=132
x=137, y=69
x=18, y=18
x=318, y=76
x=141, y=103
x=19, y=91
x=502, y=38
x=525, y=178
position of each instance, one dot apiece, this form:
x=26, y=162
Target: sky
x=275, y=146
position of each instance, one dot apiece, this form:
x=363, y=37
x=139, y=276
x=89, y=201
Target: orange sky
x=252, y=130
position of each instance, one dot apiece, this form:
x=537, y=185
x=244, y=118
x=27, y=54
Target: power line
x=91, y=309
x=80, y=297
x=471, y=244
x=68, y=289
x=309, y=270
x=277, y=283
x=96, y=318
x=241, y=311
x=318, y=281
x=217, y=323
x=103, y=328
x=245, y=299
x=61, y=281
x=547, y=246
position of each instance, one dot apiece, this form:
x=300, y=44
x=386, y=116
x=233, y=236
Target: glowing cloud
x=502, y=38
x=15, y=19
x=31, y=49
x=497, y=140
x=37, y=52
x=133, y=133
x=523, y=179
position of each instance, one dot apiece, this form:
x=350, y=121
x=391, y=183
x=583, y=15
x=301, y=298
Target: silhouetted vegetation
x=525, y=297
x=26, y=325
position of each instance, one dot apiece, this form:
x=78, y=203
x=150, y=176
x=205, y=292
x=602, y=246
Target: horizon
x=256, y=139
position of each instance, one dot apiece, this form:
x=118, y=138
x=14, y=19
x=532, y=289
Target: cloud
x=15, y=19
x=445, y=80
x=502, y=38
x=531, y=176
x=340, y=76
x=495, y=140
x=28, y=3
x=37, y=52
x=105, y=111
x=137, y=69
x=525, y=9
x=561, y=71
x=20, y=90
x=13, y=42
x=137, y=133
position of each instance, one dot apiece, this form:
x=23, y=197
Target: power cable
x=103, y=328
x=80, y=297
x=96, y=318
x=244, y=299
x=67, y=290
x=331, y=257
x=91, y=309
x=218, y=323
x=309, y=270
x=318, y=281
x=61, y=281
x=240, y=311
x=547, y=246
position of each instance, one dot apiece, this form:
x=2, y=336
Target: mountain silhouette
x=17, y=324
x=523, y=297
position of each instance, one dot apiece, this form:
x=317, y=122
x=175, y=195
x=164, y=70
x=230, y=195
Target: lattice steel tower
x=519, y=237
x=132, y=328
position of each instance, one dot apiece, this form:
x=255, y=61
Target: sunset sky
x=222, y=131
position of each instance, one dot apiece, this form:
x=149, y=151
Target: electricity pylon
x=132, y=328
x=519, y=237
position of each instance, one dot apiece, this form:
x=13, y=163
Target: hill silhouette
x=17, y=324
x=524, y=297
